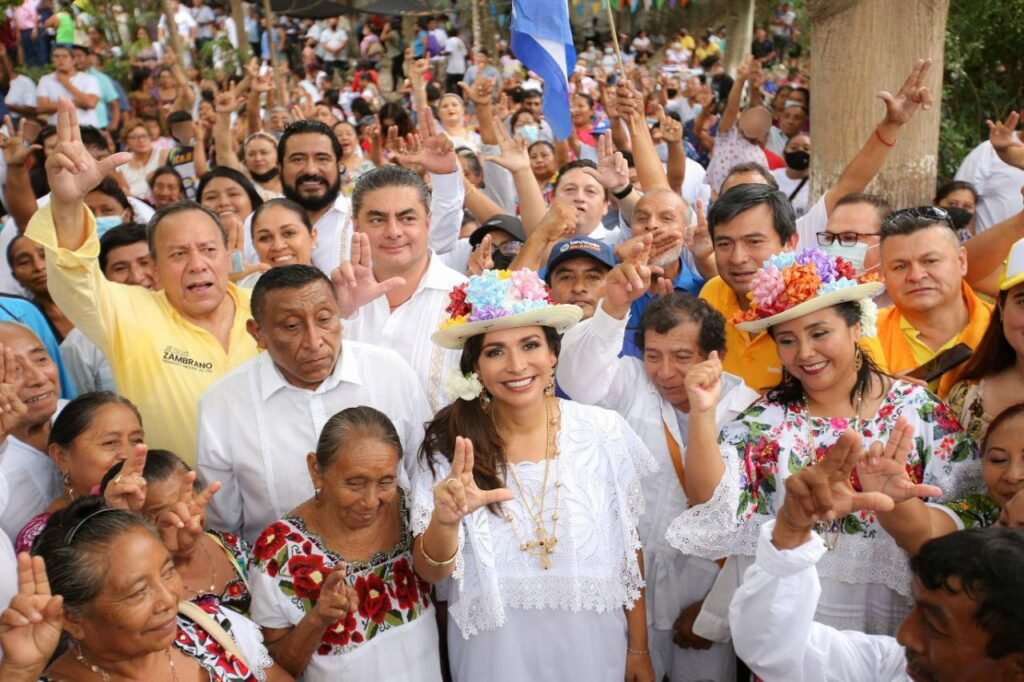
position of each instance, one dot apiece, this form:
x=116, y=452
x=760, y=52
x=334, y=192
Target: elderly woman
x=145, y=157
x=212, y=564
x=351, y=156
x=90, y=434
x=104, y=578
x=526, y=506
x=333, y=581
x=29, y=376
x=816, y=311
x=678, y=335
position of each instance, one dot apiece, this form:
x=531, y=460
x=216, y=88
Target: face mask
x=530, y=133
x=959, y=216
x=672, y=93
x=266, y=177
x=662, y=150
x=798, y=160
x=106, y=223
x=855, y=254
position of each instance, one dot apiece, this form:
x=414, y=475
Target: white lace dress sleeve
x=249, y=638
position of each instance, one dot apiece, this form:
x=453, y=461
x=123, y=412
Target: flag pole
x=615, y=36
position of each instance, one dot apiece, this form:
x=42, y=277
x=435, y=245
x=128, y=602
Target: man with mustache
x=967, y=621
x=309, y=154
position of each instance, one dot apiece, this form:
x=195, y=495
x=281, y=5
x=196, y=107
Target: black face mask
x=798, y=160
x=672, y=93
x=266, y=177
x=959, y=216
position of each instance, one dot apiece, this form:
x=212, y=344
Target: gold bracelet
x=433, y=562
x=638, y=652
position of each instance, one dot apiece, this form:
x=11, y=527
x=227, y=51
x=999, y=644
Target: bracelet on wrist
x=431, y=561
x=638, y=652
x=624, y=192
x=881, y=139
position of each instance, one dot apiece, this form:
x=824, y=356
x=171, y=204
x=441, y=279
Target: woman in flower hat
x=816, y=309
x=525, y=507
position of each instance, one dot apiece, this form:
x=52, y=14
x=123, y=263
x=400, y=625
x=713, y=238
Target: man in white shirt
x=258, y=422
x=394, y=292
x=967, y=620
x=997, y=182
x=65, y=81
x=308, y=154
x=204, y=18
x=456, y=50
x=188, y=29
x=331, y=42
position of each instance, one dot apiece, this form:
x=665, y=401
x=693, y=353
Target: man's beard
x=667, y=258
x=312, y=204
x=265, y=177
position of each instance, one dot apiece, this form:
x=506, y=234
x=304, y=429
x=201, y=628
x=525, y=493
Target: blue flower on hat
x=781, y=260
x=487, y=290
x=836, y=285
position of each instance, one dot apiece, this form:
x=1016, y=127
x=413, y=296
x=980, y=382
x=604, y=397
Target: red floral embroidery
x=308, y=574
x=406, y=590
x=374, y=602
x=270, y=541
x=945, y=419
x=338, y=633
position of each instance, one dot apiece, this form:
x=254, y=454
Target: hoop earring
x=858, y=359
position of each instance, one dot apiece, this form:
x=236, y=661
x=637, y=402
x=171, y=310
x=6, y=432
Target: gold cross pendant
x=543, y=547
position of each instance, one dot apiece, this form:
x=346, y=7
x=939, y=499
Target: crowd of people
x=337, y=364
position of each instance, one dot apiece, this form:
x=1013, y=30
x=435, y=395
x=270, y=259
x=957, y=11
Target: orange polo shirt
x=754, y=357
x=906, y=352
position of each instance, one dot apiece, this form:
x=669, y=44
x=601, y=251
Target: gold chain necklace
x=545, y=543
x=212, y=589
x=831, y=530
x=105, y=676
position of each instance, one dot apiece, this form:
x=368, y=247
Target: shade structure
x=321, y=9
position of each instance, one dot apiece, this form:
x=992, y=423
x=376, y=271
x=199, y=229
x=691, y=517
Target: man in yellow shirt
x=165, y=347
x=933, y=306
x=750, y=223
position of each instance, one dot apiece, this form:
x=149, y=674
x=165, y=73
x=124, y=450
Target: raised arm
x=672, y=134
x=899, y=110
x=987, y=250
x=558, y=223
x=649, y=170
x=1006, y=141
x=732, y=105
x=516, y=159
x=20, y=199
x=226, y=103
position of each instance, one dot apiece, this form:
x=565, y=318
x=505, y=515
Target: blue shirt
x=14, y=309
x=687, y=280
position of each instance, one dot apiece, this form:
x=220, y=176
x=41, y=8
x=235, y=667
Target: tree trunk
x=172, y=33
x=238, y=16
x=477, y=24
x=740, y=25
x=858, y=48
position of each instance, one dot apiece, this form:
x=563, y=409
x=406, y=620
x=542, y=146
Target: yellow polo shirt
x=754, y=357
x=906, y=351
x=160, y=361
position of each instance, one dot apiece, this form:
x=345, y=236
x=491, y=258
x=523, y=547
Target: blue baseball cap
x=576, y=247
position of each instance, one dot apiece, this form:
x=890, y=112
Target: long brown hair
x=467, y=418
x=994, y=353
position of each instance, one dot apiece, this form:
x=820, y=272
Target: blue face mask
x=106, y=223
x=530, y=133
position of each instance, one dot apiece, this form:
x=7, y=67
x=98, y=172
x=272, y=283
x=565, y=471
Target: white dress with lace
x=510, y=620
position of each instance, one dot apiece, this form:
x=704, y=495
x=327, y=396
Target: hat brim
x=854, y=293
x=560, y=317
x=1011, y=282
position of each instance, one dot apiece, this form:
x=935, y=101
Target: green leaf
x=393, y=618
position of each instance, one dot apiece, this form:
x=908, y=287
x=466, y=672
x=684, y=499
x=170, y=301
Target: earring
x=316, y=494
x=858, y=358
x=67, y=487
x=549, y=390
x=485, y=401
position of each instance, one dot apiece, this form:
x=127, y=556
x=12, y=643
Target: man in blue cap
x=576, y=272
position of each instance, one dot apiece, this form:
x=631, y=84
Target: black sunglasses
x=932, y=214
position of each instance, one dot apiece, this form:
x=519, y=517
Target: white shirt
x=407, y=329
x=86, y=364
x=334, y=228
x=332, y=40
x=694, y=186
x=998, y=185
x=21, y=91
x=183, y=18
x=204, y=19
x=255, y=430
x=457, y=52
x=788, y=185
x=772, y=624
x=51, y=89
x=812, y=222
x=8, y=560
x=33, y=482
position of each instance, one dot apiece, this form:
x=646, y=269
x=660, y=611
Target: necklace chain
x=212, y=589
x=831, y=530
x=105, y=676
x=546, y=542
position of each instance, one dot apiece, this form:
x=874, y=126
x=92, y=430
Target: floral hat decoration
x=501, y=299
x=790, y=285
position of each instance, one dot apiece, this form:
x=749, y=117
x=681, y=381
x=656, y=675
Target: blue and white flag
x=542, y=41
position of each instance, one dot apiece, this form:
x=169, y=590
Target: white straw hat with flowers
x=501, y=299
x=793, y=284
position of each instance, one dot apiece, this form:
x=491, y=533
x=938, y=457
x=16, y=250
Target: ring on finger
x=448, y=484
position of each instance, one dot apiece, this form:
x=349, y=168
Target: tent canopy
x=321, y=9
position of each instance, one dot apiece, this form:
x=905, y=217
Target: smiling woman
x=282, y=235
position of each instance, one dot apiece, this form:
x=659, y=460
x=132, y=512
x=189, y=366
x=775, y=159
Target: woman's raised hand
x=337, y=598
x=127, y=490
x=458, y=495
x=885, y=468
x=181, y=525
x=30, y=627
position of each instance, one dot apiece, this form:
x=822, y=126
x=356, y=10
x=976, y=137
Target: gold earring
x=549, y=390
x=485, y=401
x=858, y=358
x=67, y=487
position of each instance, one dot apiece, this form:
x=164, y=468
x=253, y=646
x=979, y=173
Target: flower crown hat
x=501, y=299
x=790, y=285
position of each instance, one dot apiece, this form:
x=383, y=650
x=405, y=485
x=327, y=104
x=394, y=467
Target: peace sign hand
x=515, y=155
x=12, y=410
x=913, y=95
x=1005, y=141
x=458, y=495
x=181, y=525
x=71, y=169
x=355, y=285
x=612, y=170
x=885, y=469
x=337, y=598
x=697, y=237
x=127, y=490
x=823, y=492
x=481, y=259
x=630, y=279
x=30, y=627
x=13, y=144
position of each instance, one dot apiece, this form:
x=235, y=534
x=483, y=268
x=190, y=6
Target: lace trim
x=708, y=530
x=263, y=658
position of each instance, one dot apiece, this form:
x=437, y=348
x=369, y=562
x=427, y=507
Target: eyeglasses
x=845, y=239
x=929, y=214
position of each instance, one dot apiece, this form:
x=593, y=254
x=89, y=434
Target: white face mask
x=855, y=254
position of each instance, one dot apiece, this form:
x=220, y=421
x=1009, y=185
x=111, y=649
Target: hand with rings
x=458, y=494
x=127, y=490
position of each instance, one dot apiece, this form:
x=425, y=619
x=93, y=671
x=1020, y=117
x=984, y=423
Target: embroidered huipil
x=866, y=579
x=510, y=620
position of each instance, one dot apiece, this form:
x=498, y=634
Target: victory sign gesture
x=30, y=627
x=71, y=169
x=458, y=495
